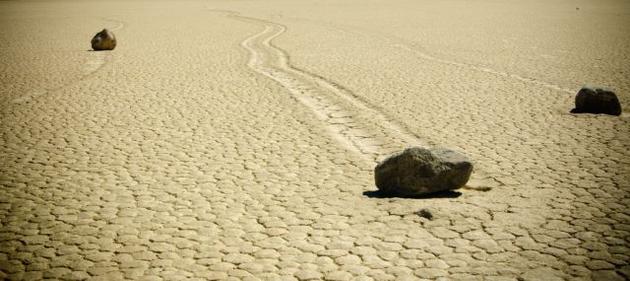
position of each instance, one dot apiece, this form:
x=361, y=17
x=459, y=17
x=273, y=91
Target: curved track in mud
x=409, y=47
x=352, y=122
x=484, y=69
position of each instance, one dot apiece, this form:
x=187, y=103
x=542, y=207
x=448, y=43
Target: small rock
x=425, y=213
x=418, y=171
x=596, y=100
x=104, y=40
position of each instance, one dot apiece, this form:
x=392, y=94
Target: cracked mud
x=237, y=141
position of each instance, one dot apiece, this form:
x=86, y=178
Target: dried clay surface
x=236, y=140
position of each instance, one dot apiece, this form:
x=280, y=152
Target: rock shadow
x=441, y=194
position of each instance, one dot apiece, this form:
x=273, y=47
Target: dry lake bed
x=237, y=140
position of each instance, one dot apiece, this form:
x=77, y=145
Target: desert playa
x=237, y=140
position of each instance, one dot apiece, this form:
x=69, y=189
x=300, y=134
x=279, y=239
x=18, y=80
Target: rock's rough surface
x=104, y=40
x=418, y=171
x=596, y=100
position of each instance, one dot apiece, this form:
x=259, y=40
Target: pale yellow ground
x=235, y=140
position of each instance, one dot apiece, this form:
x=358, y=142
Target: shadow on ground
x=442, y=194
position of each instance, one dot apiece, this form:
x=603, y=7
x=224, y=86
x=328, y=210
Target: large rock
x=104, y=40
x=596, y=100
x=418, y=171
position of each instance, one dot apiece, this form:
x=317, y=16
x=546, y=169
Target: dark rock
x=596, y=100
x=418, y=171
x=425, y=213
x=104, y=40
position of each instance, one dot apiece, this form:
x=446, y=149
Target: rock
x=425, y=213
x=596, y=100
x=418, y=171
x=104, y=40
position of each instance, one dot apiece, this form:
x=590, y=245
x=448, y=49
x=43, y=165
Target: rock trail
x=344, y=116
x=419, y=53
x=95, y=62
x=355, y=124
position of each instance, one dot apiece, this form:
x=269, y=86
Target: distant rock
x=596, y=100
x=418, y=171
x=104, y=40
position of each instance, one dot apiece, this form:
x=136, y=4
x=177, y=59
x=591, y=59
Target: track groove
x=354, y=123
x=410, y=47
x=351, y=122
x=484, y=69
